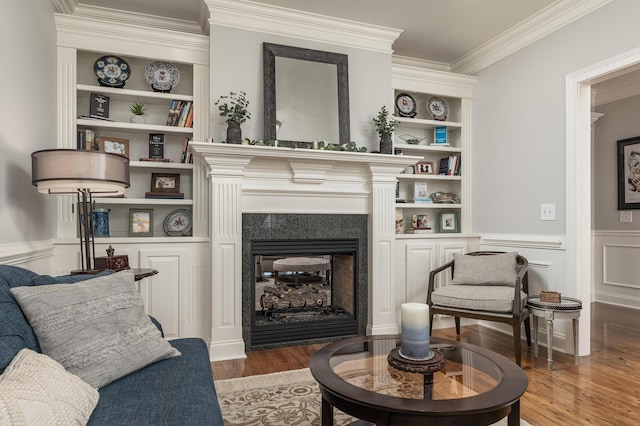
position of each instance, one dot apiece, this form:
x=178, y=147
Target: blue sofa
x=174, y=391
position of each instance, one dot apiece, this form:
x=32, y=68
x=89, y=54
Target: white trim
x=99, y=35
x=281, y=21
x=21, y=253
x=547, y=242
x=415, y=79
x=65, y=6
x=420, y=63
x=616, y=234
x=578, y=178
x=537, y=26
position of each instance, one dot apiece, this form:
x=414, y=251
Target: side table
x=567, y=308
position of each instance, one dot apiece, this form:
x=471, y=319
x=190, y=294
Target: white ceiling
x=433, y=30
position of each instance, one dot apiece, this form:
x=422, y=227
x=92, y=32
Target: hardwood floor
x=603, y=390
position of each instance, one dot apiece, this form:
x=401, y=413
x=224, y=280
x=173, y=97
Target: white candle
x=415, y=331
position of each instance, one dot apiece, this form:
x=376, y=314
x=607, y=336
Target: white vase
x=138, y=119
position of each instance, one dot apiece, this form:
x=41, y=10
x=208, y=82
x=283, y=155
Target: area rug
x=278, y=399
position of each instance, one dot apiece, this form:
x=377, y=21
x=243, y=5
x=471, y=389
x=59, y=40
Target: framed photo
x=165, y=182
x=141, y=222
x=449, y=221
x=114, y=145
x=424, y=167
x=629, y=174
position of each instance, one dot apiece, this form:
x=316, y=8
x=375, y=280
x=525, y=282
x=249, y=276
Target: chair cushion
x=494, y=269
x=97, y=329
x=478, y=298
x=36, y=390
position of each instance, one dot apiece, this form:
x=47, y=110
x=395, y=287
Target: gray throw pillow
x=97, y=329
x=495, y=269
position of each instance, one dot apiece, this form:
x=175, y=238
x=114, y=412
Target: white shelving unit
x=456, y=91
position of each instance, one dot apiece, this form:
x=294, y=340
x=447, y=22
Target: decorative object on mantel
x=385, y=126
x=445, y=197
x=234, y=108
x=111, y=71
x=138, y=111
x=162, y=76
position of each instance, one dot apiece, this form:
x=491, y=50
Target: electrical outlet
x=547, y=212
x=626, y=216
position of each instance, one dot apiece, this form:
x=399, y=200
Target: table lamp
x=84, y=174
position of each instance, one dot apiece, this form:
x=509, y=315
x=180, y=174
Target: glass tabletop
x=364, y=364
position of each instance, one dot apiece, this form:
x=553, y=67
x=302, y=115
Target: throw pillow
x=36, y=390
x=97, y=329
x=495, y=269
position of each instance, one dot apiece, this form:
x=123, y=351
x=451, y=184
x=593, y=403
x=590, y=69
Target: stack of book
x=450, y=166
x=180, y=114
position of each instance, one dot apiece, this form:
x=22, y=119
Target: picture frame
x=140, y=222
x=114, y=145
x=629, y=173
x=449, y=221
x=166, y=183
x=424, y=168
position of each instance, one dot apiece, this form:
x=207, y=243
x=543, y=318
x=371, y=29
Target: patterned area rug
x=277, y=399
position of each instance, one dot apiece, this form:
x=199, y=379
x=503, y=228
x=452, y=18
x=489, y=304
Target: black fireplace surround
x=328, y=235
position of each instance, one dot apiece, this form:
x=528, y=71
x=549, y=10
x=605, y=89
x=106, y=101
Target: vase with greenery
x=138, y=111
x=385, y=126
x=234, y=107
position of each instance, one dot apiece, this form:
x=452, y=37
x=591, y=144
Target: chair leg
x=430, y=323
x=527, y=330
x=457, y=320
x=516, y=341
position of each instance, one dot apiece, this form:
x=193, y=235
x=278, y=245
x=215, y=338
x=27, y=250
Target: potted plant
x=139, y=111
x=385, y=126
x=234, y=108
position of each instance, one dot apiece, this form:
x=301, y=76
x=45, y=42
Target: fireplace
x=304, y=278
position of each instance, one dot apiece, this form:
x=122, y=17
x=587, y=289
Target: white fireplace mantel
x=257, y=179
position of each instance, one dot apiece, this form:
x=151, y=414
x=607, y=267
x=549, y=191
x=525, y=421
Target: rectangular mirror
x=306, y=95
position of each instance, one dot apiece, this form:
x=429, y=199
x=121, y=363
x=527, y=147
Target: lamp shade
x=70, y=171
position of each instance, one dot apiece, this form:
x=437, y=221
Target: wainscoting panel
x=616, y=268
x=420, y=260
x=34, y=255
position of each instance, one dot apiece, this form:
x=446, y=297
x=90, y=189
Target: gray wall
x=236, y=64
x=27, y=117
x=620, y=121
x=519, y=121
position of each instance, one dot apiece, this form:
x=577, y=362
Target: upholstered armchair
x=484, y=285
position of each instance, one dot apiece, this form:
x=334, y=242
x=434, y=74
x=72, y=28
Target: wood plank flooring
x=603, y=390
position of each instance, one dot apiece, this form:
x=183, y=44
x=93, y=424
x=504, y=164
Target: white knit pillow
x=495, y=269
x=36, y=390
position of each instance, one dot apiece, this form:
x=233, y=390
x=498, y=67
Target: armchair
x=485, y=285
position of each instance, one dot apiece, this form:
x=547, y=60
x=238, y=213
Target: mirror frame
x=269, y=53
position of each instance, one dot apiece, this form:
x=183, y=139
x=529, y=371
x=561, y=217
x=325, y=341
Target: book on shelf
x=98, y=106
x=185, y=150
x=420, y=190
x=156, y=145
x=440, y=135
x=427, y=200
x=418, y=230
x=87, y=139
x=165, y=195
x=180, y=114
x=450, y=166
x=156, y=160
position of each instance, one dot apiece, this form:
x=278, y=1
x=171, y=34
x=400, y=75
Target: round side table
x=567, y=308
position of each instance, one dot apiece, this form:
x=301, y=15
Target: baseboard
x=223, y=351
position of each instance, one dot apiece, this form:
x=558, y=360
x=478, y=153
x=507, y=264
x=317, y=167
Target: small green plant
x=234, y=107
x=384, y=124
x=138, y=108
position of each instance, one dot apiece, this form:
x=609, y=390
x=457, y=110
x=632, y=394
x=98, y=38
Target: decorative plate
x=162, y=76
x=406, y=105
x=178, y=223
x=437, y=108
x=111, y=71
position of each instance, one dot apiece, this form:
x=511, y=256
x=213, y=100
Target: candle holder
x=425, y=367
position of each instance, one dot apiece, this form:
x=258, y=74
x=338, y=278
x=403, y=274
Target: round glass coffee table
x=475, y=387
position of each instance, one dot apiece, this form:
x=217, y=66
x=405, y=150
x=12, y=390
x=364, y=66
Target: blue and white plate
x=111, y=71
x=162, y=76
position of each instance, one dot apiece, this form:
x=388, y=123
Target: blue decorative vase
x=101, y=222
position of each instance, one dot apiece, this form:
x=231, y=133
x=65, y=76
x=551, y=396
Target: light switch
x=547, y=212
x=626, y=216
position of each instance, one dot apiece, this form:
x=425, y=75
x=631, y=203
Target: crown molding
x=420, y=63
x=431, y=81
x=102, y=35
x=281, y=21
x=543, y=23
x=65, y=6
